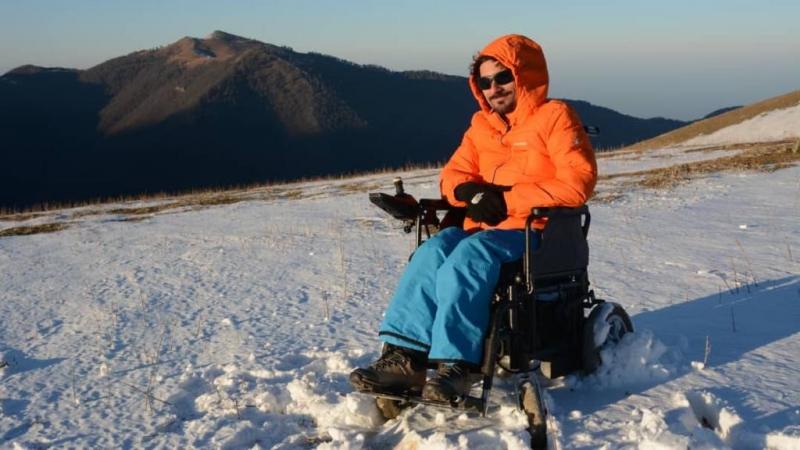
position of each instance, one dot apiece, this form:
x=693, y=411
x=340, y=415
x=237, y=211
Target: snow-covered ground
x=236, y=326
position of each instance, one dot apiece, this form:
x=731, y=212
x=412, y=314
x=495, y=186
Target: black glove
x=485, y=202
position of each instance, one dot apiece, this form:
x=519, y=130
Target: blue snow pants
x=441, y=305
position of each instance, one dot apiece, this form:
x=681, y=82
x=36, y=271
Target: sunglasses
x=502, y=77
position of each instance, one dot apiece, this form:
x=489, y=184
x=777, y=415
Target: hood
x=526, y=60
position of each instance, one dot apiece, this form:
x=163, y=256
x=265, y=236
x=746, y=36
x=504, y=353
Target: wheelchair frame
x=538, y=309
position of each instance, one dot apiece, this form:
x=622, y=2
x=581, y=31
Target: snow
x=601, y=327
x=628, y=162
x=236, y=326
x=773, y=125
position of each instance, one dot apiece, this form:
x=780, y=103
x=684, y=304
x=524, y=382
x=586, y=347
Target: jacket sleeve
x=462, y=167
x=575, y=168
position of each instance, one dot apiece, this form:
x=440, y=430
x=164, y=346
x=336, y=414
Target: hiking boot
x=452, y=382
x=398, y=370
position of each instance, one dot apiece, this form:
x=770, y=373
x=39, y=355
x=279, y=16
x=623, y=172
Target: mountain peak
x=217, y=46
x=219, y=35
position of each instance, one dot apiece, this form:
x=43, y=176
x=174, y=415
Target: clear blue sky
x=672, y=58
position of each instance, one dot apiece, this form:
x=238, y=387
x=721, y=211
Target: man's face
x=502, y=97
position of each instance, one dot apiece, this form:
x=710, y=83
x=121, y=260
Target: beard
x=503, y=102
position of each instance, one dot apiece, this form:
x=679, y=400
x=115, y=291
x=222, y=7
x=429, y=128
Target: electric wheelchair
x=543, y=316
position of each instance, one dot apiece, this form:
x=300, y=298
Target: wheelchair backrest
x=562, y=246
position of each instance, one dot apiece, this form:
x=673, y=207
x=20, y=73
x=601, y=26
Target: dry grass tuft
x=194, y=201
x=33, y=229
x=140, y=211
x=216, y=198
x=760, y=157
x=765, y=157
x=768, y=158
x=134, y=218
x=606, y=197
x=362, y=186
x=292, y=194
x=20, y=217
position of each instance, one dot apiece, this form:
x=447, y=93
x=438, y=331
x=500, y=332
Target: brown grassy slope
x=33, y=229
x=713, y=124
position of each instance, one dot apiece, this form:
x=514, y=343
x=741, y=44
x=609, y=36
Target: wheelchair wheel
x=605, y=326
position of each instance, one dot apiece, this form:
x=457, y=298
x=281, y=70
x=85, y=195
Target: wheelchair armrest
x=401, y=207
x=538, y=212
x=438, y=204
x=561, y=211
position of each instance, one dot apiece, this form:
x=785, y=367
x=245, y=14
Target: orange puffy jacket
x=540, y=149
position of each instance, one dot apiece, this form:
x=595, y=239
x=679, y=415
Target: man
x=521, y=150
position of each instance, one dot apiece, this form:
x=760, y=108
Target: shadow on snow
x=735, y=322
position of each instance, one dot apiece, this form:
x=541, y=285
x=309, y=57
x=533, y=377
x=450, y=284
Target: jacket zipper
x=502, y=136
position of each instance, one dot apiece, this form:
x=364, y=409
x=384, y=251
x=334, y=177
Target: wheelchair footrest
x=468, y=403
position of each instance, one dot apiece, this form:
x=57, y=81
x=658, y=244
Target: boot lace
x=391, y=360
x=451, y=371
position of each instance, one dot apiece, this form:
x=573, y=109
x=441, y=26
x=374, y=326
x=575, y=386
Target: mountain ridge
x=226, y=110
x=714, y=122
